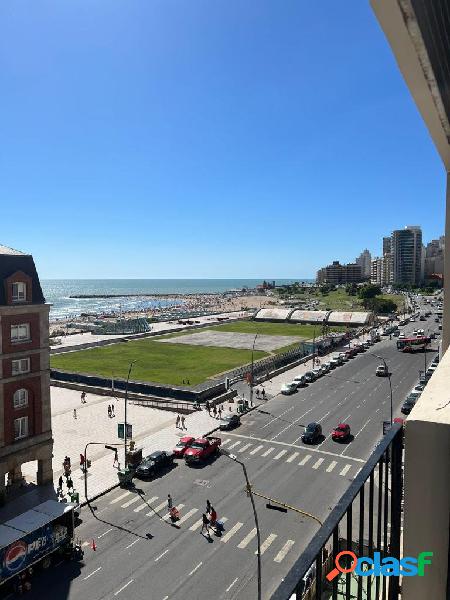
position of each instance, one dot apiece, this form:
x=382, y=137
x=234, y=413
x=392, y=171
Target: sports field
x=304, y=331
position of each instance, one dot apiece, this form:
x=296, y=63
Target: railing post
x=396, y=507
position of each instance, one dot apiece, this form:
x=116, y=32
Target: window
x=20, y=398
x=20, y=428
x=19, y=291
x=21, y=365
x=20, y=333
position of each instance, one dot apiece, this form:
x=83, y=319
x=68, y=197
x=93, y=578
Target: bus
x=413, y=344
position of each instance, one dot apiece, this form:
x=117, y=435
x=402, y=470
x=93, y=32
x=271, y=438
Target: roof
x=350, y=318
x=311, y=316
x=11, y=251
x=273, y=314
x=13, y=261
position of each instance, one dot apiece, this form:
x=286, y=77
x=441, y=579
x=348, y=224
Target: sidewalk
x=153, y=429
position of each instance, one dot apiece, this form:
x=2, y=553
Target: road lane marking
x=292, y=457
x=123, y=587
x=294, y=446
x=167, y=517
x=267, y=542
x=132, y=501
x=227, y=441
x=132, y=544
x=331, y=466
x=157, y=508
x=195, y=569
x=146, y=504
x=104, y=533
x=305, y=460
x=257, y=449
x=248, y=538
x=345, y=470
x=284, y=550
x=347, y=447
x=291, y=424
x=188, y=515
x=121, y=497
x=233, y=445
x=231, y=585
x=267, y=452
x=318, y=462
x=280, y=454
x=244, y=448
x=279, y=416
x=230, y=533
x=93, y=573
x=161, y=555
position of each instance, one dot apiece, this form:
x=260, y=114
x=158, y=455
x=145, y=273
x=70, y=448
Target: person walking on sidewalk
x=83, y=397
x=205, y=524
x=178, y=422
x=109, y=410
x=74, y=413
x=220, y=412
x=183, y=422
x=215, y=412
x=113, y=414
x=60, y=482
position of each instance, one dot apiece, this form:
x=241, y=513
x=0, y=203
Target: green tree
x=369, y=291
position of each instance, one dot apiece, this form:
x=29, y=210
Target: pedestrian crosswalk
x=296, y=459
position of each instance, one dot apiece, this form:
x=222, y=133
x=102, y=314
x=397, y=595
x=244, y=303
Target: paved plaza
x=225, y=339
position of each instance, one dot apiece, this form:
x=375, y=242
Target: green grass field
x=161, y=363
x=263, y=328
x=340, y=300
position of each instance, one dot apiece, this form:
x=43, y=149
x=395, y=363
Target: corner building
x=25, y=418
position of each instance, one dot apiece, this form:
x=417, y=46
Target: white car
x=299, y=380
x=288, y=388
x=402, y=336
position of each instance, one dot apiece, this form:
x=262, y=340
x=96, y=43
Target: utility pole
x=126, y=402
x=251, y=373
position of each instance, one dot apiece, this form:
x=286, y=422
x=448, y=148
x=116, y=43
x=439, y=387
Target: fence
x=306, y=580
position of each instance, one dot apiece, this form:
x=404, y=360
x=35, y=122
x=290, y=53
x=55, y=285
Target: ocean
x=58, y=292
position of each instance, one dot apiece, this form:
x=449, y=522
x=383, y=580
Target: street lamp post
x=255, y=515
x=126, y=402
x=251, y=373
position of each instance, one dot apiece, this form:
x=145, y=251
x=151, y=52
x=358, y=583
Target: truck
x=32, y=538
x=201, y=449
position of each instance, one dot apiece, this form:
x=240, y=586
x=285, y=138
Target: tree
x=369, y=291
x=351, y=289
x=380, y=306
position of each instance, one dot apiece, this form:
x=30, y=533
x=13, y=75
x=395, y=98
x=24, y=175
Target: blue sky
x=206, y=138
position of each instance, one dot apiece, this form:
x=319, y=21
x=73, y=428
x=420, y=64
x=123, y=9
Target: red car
x=182, y=446
x=341, y=433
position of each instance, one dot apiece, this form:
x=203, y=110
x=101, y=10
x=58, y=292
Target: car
x=324, y=369
x=415, y=332
x=419, y=387
x=343, y=356
x=361, y=348
x=312, y=433
x=341, y=433
x=435, y=360
x=288, y=388
x=299, y=380
x=335, y=362
x=366, y=344
x=318, y=372
x=440, y=327
x=396, y=333
x=328, y=366
x=382, y=371
x=154, y=463
x=422, y=318
x=182, y=446
x=412, y=320
x=431, y=370
x=402, y=336
x=349, y=354
x=229, y=421
x=407, y=406
x=436, y=320
x=310, y=376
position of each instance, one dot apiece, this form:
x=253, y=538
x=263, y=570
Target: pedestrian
x=215, y=411
x=208, y=407
x=178, y=422
x=213, y=517
x=208, y=507
x=81, y=461
x=74, y=413
x=188, y=382
x=183, y=382
x=109, y=410
x=169, y=502
x=69, y=484
x=60, y=482
x=205, y=524
x=183, y=422
x=83, y=397
x=220, y=412
x=113, y=414
x=257, y=393
x=263, y=394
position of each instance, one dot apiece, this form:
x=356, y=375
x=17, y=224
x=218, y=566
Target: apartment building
x=406, y=249
x=336, y=273
x=25, y=419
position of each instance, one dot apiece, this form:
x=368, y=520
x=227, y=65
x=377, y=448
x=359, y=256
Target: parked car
x=419, y=387
x=229, y=421
x=182, y=446
x=325, y=368
x=402, y=336
x=312, y=433
x=341, y=433
x=343, y=356
x=317, y=372
x=382, y=371
x=300, y=380
x=407, y=406
x=154, y=463
x=335, y=362
x=310, y=376
x=201, y=449
x=288, y=388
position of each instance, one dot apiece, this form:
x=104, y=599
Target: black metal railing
x=365, y=520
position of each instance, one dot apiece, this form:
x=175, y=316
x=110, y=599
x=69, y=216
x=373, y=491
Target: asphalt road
x=140, y=555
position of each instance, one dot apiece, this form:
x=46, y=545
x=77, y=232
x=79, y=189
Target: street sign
x=386, y=427
x=121, y=431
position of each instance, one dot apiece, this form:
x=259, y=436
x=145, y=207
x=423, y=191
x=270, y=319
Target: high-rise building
x=25, y=418
x=406, y=247
x=381, y=272
x=364, y=261
x=386, y=245
x=336, y=273
x=434, y=259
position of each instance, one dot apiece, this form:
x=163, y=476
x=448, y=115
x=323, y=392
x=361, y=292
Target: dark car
x=229, y=421
x=155, y=462
x=312, y=433
x=407, y=406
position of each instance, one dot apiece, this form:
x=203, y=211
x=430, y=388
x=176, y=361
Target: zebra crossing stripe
x=132, y=501
x=121, y=497
x=233, y=445
x=157, y=509
x=267, y=452
x=345, y=470
x=280, y=454
x=267, y=542
x=248, y=538
x=331, y=466
x=257, y=449
x=145, y=504
x=318, y=462
x=230, y=533
x=188, y=515
x=305, y=460
x=244, y=448
x=227, y=441
x=284, y=550
x=167, y=517
x=292, y=457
